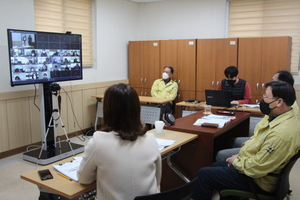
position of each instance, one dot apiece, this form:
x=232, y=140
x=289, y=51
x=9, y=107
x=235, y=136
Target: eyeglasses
x=265, y=97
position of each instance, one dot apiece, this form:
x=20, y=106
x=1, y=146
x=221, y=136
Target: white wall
x=183, y=19
x=117, y=22
x=14, y=14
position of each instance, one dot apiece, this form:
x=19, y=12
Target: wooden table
x=143, y=99
x=72, y=189
x=239, y=108
x=210, y=140
x=149, y=112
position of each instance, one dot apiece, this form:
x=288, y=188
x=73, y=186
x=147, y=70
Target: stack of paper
x=162, y=143
x=252, y=105
x=221, y=120
x=69, y=169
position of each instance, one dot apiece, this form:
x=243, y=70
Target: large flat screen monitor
x=41, y=57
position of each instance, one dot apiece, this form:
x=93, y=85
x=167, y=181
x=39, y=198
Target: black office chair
x=282, y=188
x=183, y=192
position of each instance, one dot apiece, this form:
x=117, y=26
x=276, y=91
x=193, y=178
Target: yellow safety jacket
x=161, y=90
x=269, y=149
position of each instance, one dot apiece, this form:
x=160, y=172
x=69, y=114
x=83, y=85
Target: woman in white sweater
x=122, y=158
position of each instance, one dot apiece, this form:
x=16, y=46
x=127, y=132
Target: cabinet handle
x=141, y=93
x=142, y=80
x=145, y=94
x=145, y=80
x=217, y=83
x=257, y=84
x=212, y=84
x=178, y=83
x=179, y=97
x=262, y=86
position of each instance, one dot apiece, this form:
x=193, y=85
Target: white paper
x=69, y=169
x=251, y=105
x=162, y=143
x=221, y=120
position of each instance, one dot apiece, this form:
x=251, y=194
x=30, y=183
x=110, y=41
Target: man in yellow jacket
x=238, y=142
x=165, y=87
x=267, y=151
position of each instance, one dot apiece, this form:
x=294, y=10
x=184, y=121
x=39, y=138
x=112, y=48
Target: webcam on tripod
x=54, y=87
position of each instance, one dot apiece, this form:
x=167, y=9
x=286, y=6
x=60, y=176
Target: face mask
x=231, y=82
x=165, y=75
x=264, y=107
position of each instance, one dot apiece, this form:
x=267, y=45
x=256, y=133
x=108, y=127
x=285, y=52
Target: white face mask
x=165, y=75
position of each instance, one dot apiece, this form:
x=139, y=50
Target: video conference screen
x=40, y=57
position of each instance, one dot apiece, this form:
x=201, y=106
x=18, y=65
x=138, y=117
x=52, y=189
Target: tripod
x=55, y=116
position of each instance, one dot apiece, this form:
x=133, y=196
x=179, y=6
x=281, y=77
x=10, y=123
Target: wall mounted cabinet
x=144, y=65
x=260, y=58
x=200, y=64
x=213, y=56
x=181, y=55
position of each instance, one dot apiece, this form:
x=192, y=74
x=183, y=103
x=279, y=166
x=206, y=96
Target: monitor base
x=61, y=151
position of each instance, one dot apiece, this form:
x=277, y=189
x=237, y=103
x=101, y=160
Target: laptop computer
x=220, y=98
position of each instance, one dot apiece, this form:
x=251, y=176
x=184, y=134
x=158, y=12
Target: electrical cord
x=34, y=98
x=72, y=108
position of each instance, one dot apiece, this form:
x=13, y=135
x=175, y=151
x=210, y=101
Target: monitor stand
x=51, y=151
x=49, y=156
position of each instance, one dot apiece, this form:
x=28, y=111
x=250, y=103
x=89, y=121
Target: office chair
x=183, y=192
x=282, y=187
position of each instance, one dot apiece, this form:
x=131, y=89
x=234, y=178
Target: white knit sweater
x=123, y=169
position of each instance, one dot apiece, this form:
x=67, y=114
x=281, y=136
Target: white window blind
x=267, y=18
x=67, y=15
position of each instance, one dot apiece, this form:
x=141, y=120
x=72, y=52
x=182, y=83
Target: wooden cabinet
x=213, y=56
x=181, y=55
x=144, y=65
x=200, y=64
x=260, y=58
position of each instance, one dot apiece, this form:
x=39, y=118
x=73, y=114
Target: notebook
x=220, y=98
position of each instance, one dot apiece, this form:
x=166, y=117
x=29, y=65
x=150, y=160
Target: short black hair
x=286, y=76
x=283, y=90
x=231, y=72
x=171, y=69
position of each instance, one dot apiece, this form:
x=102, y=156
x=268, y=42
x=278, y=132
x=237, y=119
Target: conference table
x=74, y=190
x=210, y=140
x=150, y=108
x=143, y=99
x=195, y=106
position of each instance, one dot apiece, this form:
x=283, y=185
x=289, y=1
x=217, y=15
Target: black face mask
x=264, y=107
x=231, y=82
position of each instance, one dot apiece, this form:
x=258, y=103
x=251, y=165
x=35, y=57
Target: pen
x=64, y=176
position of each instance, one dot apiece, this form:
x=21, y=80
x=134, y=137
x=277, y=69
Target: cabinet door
x=249, y=62
x=213, y=56
x=140, y=91
x=260, y=58
x=200, y=96
x=151, y=67
x=276, y=55
x=168, y=56
x=185, y=95
x=187, y=65
x=135, y=50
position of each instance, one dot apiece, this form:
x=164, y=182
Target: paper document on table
x=252, y=105
x=162, y=143
x=216, y=119
x=69, y=169
x=212, y=116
